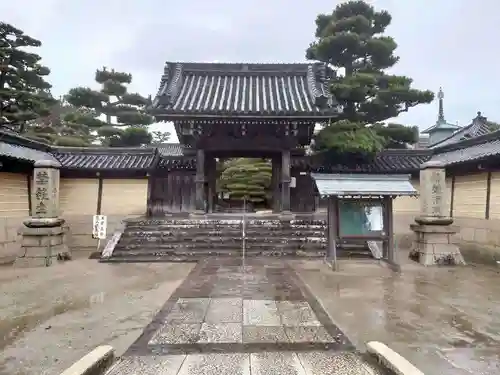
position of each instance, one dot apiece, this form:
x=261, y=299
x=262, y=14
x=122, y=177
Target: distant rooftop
x=478, y=127
x=441, y=123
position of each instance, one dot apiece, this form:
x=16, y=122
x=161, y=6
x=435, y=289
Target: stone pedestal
x=42, y=246
x=43, y=236
x=433, y=244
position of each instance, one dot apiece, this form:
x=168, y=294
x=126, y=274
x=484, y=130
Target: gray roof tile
x=170, y=149
x=386, y=161
x=253, y=89
x=23, y=153
x=363, y=185
x=479, y=126
x=14, y=146
x=106, y=158
x=470, y=150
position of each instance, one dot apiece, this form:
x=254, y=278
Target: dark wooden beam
x=99, y=196
x=200, y=181
x=149, y=208
x=488, y=195
x=285, y=180
x=332, y=233
x=452, y=198
x=263, y=143
x=390, y=230
x=28, y=181
x=91, y=173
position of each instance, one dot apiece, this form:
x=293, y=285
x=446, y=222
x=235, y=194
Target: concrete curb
x=392, y=360
x=94, y=363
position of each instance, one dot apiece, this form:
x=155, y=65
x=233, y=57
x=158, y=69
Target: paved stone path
x=229, y=318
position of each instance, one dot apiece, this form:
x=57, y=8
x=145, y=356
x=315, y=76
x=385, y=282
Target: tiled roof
x=206, y=89
x=106, y=158
x=23, y=153
x=441, y=125
x=177, y=163
x=170, y=149
x=364, y=185
x=13, y=146
x=475, y=149
x=387, y=161
x=479, y=126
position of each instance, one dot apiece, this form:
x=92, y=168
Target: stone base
x=434, y=245
x=49, y=222
x=434, y=220
x=41, y=247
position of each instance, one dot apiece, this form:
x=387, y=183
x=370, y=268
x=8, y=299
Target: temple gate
x=238, y=110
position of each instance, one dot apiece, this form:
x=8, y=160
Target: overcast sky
x=449, y=43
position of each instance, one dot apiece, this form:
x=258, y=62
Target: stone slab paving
x=229, y=318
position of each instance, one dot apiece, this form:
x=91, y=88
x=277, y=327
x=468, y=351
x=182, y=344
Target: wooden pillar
x=149, y=203
x=276, y=179
x=29, y=179
x=285, y=181
x=99, y=194
x=212, y=180
x=200, y=181
x=452, y=198
x=391, y=251
x=385, y=226
x=332, y=234
x=488, y=196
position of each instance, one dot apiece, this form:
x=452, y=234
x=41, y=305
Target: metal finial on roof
x=441, y=107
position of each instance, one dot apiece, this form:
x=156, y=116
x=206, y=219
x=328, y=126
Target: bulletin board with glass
x=360, y=218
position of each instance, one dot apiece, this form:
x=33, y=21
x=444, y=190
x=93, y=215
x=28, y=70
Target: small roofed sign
x=99, y=226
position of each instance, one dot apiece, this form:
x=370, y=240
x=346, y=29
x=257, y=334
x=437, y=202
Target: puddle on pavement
x=138, y=279
x=13, y=328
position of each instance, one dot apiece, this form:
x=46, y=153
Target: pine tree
x=351, y=41
x=57, y=128
x=125, y=119
x=24, y=92
x=159, y=137
x=246, y=179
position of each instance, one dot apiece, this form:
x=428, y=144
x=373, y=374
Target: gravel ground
x=51, y=317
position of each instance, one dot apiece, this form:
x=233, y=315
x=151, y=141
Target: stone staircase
x=192, y=239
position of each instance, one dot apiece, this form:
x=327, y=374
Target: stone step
x=194, y=256
x=238, y=242
x=222, y=236
x=221, y=245
x=236, y=221
x=178, y=240
x=155, y=232
x=236, y=227
x=229, y=252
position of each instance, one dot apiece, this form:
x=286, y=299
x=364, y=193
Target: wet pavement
x=445, y=320
x=50, y=317
x=233, y=318
x=283, y=317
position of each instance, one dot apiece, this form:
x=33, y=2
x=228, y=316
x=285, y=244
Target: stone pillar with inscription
x=44, y=233
x=433, y=244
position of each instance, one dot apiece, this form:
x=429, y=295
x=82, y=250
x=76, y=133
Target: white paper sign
x=110, y=246
x=293, y=182
x=99, y=226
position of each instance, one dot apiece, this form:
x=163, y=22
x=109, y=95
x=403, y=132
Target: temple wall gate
x=172, y=193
